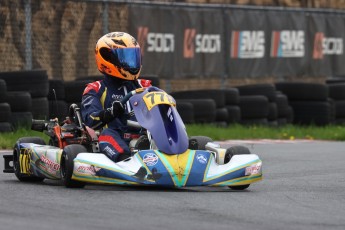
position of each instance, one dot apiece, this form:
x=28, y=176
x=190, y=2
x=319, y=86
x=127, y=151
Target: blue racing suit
x=115, y=135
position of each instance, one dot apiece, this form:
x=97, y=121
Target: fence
x=181, y=40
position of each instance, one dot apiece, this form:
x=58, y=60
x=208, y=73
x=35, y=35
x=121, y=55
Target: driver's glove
x=112, y=112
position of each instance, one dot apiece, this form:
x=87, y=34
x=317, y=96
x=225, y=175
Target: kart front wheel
x=69, y=153
x=21, y=160
x=232, y=151
x=239, y=187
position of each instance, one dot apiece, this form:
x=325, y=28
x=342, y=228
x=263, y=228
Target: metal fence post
x=28, y=50
x=105, y=17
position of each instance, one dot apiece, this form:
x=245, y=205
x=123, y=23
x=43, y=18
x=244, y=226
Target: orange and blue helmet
x=118, y=55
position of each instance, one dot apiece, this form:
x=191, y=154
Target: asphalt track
x=303, y=188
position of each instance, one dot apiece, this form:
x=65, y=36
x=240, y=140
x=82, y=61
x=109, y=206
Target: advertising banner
x=182, y=42
x=247, y=39
x=288, y=54
x=326, y=44
x=179, y=42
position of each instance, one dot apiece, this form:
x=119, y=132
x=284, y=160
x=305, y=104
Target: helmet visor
x=127, y=58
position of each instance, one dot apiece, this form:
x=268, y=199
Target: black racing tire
x=254, y=107
x=3, y=91
x=339, y=109
x=272, y=111
x=311, y=112
x=204, y=109
x=234, y=114
x=5, y=112
x=186, y=111
x=337, y=91
x=235, y=150
x=69, y=153
x=267, y=90
x=282, y=105
x=21, y=119
x=16, y=163
x=5, y=127
x=74, y=90
x=222, y=115
x=56, y=90
x=199, y=142
x=290, y=115
x=20, y=101
x=34, y=81
x=232, y=151
x=40, y=108
x=218, y=96
x=232, y=96
x=301, y=91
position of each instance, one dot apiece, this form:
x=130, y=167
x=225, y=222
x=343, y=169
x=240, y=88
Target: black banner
x=246, y=37
x=180, y=42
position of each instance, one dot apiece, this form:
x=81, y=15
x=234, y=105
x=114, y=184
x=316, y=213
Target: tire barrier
x=3, y=91
x=218, y=96
x=56, y=90
x=74, y=90
x=34, y=81
x=5, y=112
x=254, y=110
x=21, y=119
x=266, y=90
x=311, y=112
x=309, y=102
x=40, y=108
x=300, y=91
x=204, y=109
x=20, y=101
x=337, y=96
x=186, y=111
x=58, y=109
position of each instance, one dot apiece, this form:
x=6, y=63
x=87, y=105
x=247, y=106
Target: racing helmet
x=118, y=55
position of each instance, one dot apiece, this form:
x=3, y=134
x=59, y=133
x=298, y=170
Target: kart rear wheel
x=199, y=142
x=232, y=151
x=17, y=163
x=69, y=153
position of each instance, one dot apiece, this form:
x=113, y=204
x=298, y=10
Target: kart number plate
x=155, y=98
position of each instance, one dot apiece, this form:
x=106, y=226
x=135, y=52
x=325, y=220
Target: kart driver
x=118, y=57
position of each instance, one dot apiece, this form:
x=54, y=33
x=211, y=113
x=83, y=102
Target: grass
x=234, y=132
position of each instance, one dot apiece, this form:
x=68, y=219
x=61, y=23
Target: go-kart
x=163, y=155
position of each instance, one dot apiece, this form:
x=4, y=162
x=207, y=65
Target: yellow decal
x=155, y=98
x=24, y=161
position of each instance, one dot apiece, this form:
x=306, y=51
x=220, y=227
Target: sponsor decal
x=155, y=42
x=248, y=44
x=288, y=43
x=201, y=158
x=53, y=166
x=327, y=46
x=150, y=159
x=87, y=169
x=116, y=97
x=253, y=169
x=109, y=151
x=200, y=43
